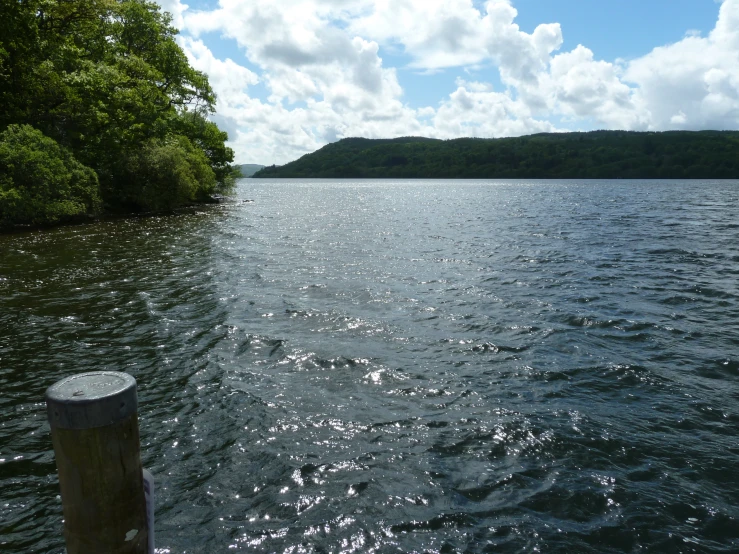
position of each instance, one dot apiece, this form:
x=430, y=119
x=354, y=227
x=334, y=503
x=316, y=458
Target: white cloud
x=583, y=87
x=694, y=83
x=176, y=8
x=473, y=110
x=228, y=79
x=324, y=83
x=436, y=33
x=321, y=62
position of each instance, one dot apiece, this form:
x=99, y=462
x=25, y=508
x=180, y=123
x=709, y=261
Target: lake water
x=397, y=366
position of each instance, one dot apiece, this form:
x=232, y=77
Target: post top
x=90, y=400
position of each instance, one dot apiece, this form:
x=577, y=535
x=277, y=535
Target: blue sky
x=620, y=29
x=292, y=75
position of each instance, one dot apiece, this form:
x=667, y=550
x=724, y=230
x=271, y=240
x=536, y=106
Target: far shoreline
x=576, y=155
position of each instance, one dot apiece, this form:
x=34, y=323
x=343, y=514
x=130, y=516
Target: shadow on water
x=135, y=295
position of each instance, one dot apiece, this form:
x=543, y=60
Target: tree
x=211, y=140
x=106, y=80
x=166, y=174
x=41, y=182
x=598, y=154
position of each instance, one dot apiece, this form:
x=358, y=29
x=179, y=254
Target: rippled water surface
x=394, y=366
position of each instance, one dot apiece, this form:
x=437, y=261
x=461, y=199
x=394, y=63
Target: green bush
x=41, y=182
x=166, y=174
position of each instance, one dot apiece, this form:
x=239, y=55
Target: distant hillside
x=248, y=170
x=597, y=154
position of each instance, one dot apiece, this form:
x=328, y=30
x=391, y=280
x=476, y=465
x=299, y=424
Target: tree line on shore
x=591, y=155
x=100, y=112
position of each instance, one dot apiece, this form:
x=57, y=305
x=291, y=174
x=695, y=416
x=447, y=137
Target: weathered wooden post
x=95, y=431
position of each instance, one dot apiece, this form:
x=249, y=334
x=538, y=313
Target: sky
x=294, y=75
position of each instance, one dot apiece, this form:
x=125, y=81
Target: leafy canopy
x=40, y=181
x=107, y=81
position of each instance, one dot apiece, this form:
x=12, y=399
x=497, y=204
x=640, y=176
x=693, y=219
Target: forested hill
x=100, y=111
x=247, y=170
x=597, y=154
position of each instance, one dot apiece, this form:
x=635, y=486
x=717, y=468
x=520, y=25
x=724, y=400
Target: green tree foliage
x=594, y=155
x=166, y=174
x=206, y=136
x=41, y=182
x=106, y=80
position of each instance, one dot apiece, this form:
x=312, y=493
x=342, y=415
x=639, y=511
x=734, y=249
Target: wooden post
x=95, y=431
